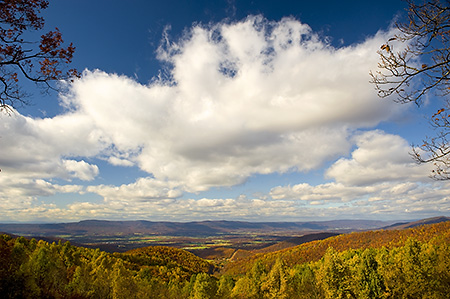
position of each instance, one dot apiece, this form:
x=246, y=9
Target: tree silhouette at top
x=43, y=61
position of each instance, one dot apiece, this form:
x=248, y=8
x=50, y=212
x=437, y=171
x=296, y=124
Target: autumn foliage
x=314, y=251
x=408, y=263
x=42, y=60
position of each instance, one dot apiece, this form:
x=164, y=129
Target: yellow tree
x=249, y=286
x=370, y=281
x=276, y=284
x=205, y=287
x=336, y=276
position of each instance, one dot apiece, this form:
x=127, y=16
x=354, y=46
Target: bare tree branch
x=420, y=68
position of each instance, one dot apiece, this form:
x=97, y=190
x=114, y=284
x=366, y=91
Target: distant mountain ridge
x=198, y=228
x=208, y=239
x=405, y=225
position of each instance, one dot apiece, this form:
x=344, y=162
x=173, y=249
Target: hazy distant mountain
x=214, y=237
x=201, y=228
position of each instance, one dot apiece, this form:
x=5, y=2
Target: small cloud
x=380, y=157
x=80, y=169
x=120, y=162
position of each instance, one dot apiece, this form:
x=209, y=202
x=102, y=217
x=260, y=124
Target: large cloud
x=238, y=99
x=241, y=99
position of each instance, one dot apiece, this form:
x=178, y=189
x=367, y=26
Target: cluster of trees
x=38, y=269
x=314, y=251
x=412, y=268
x=413, y=64
x=415, y=270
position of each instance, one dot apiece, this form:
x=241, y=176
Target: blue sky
x=211, y=110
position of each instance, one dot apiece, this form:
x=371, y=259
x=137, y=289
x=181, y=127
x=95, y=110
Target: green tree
x=123, y=284
x=370, y=282
x=421, y=270
x=249, y=286
x=93, y=277
x=245, y=288
x=276, y=282
x=149, y=284
x=304, y=283
x=46, y=272
x=225, y=286
x=205, y=287
x=441, y=256
x=13, y=253
x=335, y=275
x=416, y=270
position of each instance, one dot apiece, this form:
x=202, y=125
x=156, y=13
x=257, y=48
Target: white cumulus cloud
x=251, y=97
x=238, y=99
x=380, y=157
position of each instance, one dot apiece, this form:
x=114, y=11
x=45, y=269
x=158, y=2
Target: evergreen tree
x=205, y=287
x=335, y=276
x=225, y=286
x=276, y=283
x=370, y=282
x=304, y=283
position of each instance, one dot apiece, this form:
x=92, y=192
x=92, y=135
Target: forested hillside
x=412, y=263
x=314, y=251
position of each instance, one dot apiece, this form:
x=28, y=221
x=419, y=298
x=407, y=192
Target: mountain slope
x=295, y=241
x=313, y=251
x=404, y=225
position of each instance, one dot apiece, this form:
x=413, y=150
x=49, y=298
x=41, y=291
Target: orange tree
x=42, y=61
